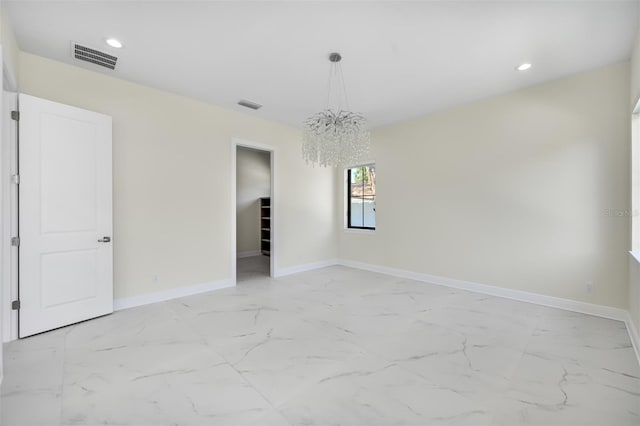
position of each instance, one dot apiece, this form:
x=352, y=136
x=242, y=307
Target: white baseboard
x=174, y=293
x=242, y=254
x=523, y=296
x=520, y=295
x=306, y=267
x=633, y=334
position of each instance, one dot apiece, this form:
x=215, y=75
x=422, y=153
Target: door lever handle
x=104, y=240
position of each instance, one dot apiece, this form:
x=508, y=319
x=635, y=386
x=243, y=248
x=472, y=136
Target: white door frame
x=235, y=143
x=8, y=254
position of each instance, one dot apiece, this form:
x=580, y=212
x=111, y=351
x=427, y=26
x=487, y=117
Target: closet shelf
x=265, y=226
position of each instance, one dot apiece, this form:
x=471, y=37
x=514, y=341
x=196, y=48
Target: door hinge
x=15, y=305
x=15, y=115
x=15, y=179
x=15, y=241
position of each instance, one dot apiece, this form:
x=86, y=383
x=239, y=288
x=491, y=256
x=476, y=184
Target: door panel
x=68, y=193
x=65, y=208
x=68, y=277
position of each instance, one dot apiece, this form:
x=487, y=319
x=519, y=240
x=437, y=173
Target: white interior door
x=66, y=257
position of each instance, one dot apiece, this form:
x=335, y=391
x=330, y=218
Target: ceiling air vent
x=94, y=56
x=249, y=104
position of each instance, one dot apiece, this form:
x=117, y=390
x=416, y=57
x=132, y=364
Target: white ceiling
x=400, y=59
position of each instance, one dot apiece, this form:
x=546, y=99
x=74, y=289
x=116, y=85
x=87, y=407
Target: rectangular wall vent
x=94, y=56
x=249, y=104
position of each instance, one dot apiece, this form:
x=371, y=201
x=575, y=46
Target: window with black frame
x=361, y=197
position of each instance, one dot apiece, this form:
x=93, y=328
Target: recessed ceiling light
x=114, y=43
x=523, y=67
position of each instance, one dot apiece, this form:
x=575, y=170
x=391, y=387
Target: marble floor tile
x=280, y=367
x=195, y=394
x=335, y=346
x=586, y=339
x=375, y=392
x=253, y=267
x=32, y=388
x=549, y=391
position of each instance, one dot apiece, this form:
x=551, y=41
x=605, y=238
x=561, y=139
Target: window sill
x=636, y=255
x=359, y=231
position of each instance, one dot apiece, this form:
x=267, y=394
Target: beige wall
x=253, y=180
x=512, y=191
x=172, y=180
x=9, y=45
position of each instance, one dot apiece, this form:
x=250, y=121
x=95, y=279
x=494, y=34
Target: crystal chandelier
x=336, y=137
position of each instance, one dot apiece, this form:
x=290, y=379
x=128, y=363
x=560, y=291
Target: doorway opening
x=254, y=231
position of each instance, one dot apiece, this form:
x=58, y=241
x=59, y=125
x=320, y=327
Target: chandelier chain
x=344, y=88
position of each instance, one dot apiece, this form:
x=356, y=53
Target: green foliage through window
x=361, y=190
